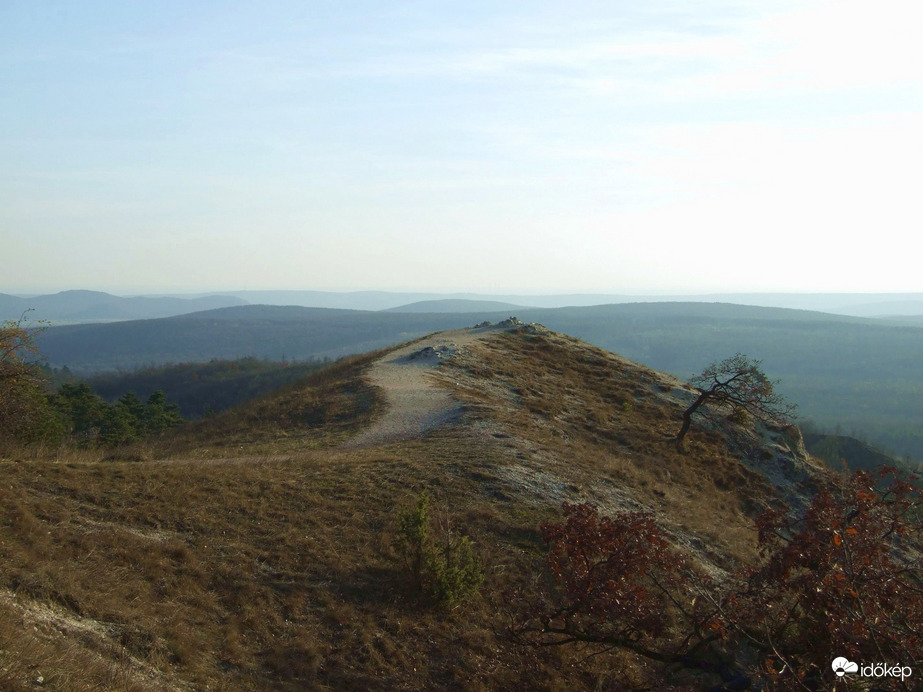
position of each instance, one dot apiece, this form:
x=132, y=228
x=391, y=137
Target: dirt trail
x=416, y=404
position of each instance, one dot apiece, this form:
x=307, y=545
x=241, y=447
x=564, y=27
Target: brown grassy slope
x=324, y=409
x=588, y=425
x=279, y=572
x=267, y=575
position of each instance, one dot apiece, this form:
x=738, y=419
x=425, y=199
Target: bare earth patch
x=416, y=401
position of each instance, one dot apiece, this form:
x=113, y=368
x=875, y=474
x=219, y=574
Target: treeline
x=85, y=418
x=200, y=389
x=54, y=407
x=31, y=412
x=76, y=415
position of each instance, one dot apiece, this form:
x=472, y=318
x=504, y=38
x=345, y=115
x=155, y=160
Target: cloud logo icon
x=841, y=666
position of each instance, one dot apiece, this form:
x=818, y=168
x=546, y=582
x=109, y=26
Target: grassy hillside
x=858, y=374
x=252, y=551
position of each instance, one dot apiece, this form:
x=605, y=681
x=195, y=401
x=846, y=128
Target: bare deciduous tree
x=21, y=381
x=740, y=384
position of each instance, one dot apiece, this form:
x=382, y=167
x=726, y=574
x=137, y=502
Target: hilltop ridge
x=583, y=424
x=570, y=422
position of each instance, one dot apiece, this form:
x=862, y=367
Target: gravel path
x=415, y=403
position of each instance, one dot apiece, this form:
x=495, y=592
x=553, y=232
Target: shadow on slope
x=322, y=409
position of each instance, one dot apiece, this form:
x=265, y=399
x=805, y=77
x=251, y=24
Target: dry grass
x=260, y=555
x=323, y=410
x=583, y=424
x=256, y=575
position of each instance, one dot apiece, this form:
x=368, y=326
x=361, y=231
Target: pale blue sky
x=620, y=147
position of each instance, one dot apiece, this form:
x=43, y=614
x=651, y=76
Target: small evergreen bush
x=450, y=568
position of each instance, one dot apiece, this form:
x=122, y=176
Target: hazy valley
x=849, y=375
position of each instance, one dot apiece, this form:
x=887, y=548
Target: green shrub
x=451, y=569
x=455, y=571
x=413, y=542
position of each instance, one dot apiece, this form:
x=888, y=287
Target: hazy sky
x=609, y=146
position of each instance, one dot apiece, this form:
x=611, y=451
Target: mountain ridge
x=871, y=305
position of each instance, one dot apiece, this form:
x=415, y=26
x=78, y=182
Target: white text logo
x=843, y=666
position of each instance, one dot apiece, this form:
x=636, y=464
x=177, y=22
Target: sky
x=582, y=146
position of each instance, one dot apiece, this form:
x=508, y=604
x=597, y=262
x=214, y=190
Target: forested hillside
x=199, y=389
x=260, y=331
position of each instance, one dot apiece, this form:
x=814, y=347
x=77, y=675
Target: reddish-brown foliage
x=842, y=580
x=615, y=573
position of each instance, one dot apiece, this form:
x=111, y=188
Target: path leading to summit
x=416, y=403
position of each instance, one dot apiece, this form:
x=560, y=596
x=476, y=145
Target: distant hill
x=94, y=306
x=457, y=305
x=70, y=307
x=854, y=304
x=261, y=331
x=896, y=307
x=864, y=375
x=839, y=449
x=336, y=300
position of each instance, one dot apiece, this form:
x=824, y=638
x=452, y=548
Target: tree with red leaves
x=843, y=580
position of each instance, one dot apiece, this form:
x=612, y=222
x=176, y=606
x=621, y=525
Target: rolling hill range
x=93, y=306
x=261, y=331
x=861, y=376
x=81, y=306
x=450, y=305
x=856, y=304
x=261, y=548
